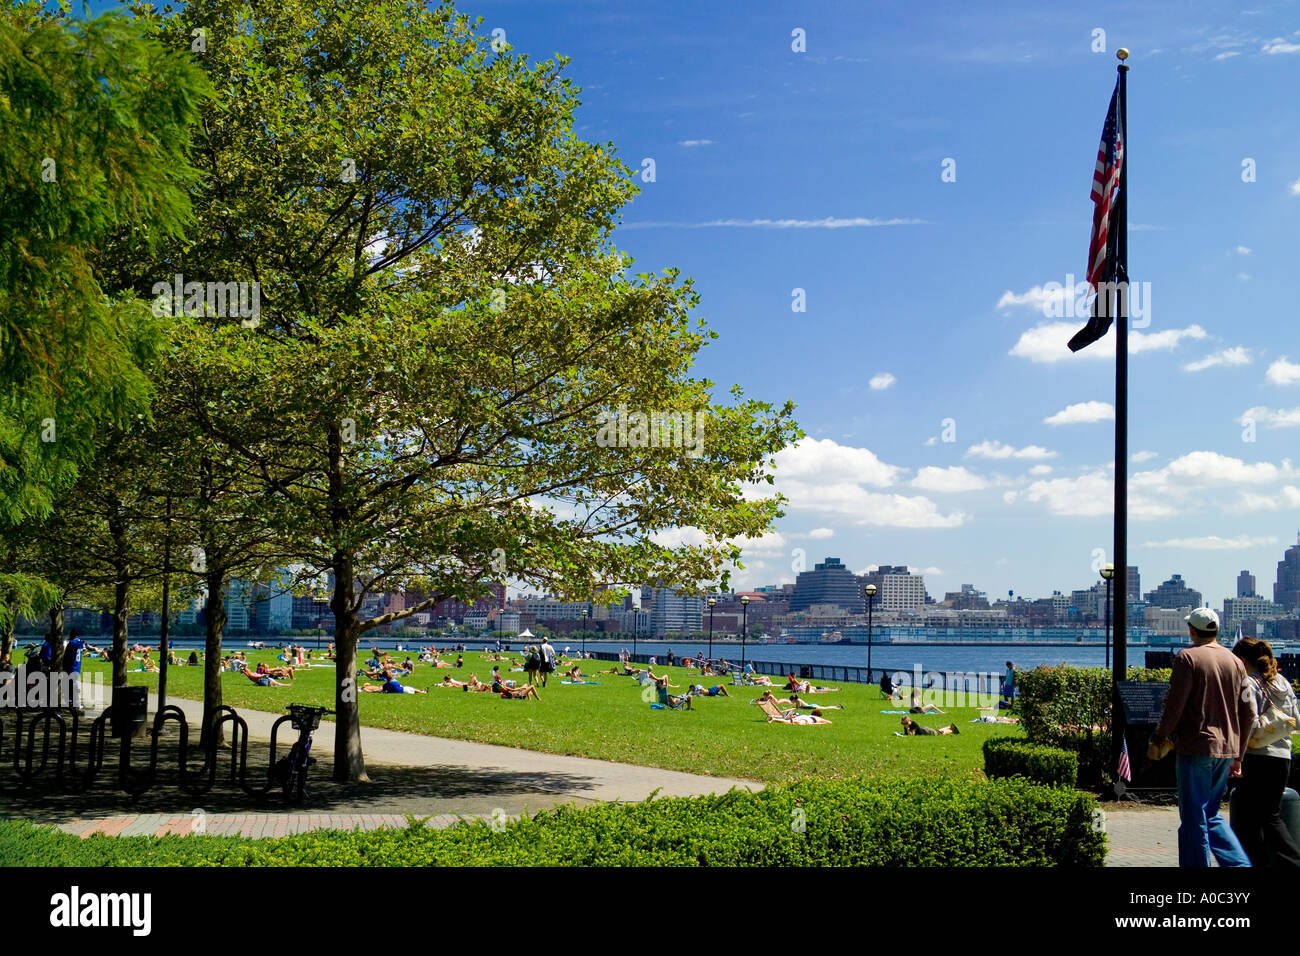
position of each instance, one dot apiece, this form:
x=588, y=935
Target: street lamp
x=636, y=623
x=584, y=633
x=1108, y=572
x=712, y=603
x=870, y=592
x=744, y=629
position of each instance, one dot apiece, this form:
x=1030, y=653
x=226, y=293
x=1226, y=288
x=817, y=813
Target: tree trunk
x=56, y=631
x=214, y=623
x=6, y=637
x=121, y=591
x=349, y=764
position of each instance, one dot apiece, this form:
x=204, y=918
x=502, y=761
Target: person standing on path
x=1209, y=719
x=1257, y=817
x=548, y=659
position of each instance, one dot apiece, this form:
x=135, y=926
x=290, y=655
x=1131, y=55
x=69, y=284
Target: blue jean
x=1203, y=830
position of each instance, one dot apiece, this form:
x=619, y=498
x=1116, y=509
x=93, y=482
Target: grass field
x=611, y=721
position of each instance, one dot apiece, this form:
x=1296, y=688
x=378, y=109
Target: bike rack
x=47, y=735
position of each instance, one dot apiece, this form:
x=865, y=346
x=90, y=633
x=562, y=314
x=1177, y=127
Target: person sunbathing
x=450, y=681
x=574, y=673
x=659, y=681
x=475, y=685
x=281, y=673
x=912, y=729
x=672, y=701
x=263, y=680
x=814, y=718
x=920, y=707
x=390, y=687
x=717, y=690
x=522, y=692
x=796, y=701
x=771, y=698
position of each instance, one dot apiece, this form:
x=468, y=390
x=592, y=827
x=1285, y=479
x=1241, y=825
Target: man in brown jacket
x=1208, y=717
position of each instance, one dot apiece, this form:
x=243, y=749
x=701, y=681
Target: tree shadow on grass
x=393, y=789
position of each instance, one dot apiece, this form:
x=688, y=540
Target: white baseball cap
x=1203, y=619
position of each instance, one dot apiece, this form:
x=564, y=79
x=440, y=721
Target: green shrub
x=1159, y=675
x=930, y=822
x=1018, y=757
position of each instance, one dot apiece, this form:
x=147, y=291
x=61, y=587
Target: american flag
x=1105, y=187
x=1125, y=770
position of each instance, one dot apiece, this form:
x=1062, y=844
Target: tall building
x=273, y=610
x=1133, y=583
x=671, y=612
x=238, y=598
x=1245, y=584
x=897, y=589
x=1286, y=591
x=827, y=583
x=1175, y=593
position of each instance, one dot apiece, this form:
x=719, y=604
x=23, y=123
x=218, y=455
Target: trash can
x=1290, y=812
x=128, y=712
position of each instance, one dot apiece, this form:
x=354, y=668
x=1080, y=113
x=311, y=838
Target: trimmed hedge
x=812, y=823
x=1018, y=757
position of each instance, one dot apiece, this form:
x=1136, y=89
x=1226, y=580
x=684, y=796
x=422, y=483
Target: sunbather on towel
x=717, y=690
x=796, y=701
x=814, y=718
x=919, y=707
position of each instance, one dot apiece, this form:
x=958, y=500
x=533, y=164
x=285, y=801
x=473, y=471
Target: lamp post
x=636, y=624
x=744, y=629
x=584, y=633
x=712, y=603
x=870, y=592
x=1108, y=572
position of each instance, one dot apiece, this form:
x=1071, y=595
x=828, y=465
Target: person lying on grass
x=263, y=680
x=475, y=685
x=796, y=701
x=281, y=673
x=919, y=707
x=912, y=729
x=450, y=681
x=771, y=698
x=717, y=690
x=522, y=692
x=814, y=718
x=805, y=687
x=574, y=673
x=390, y=687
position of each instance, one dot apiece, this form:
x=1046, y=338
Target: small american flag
x=1105, y=186
x=1125, y=770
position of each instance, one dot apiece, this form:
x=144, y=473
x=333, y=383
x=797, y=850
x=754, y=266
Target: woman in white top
x=1267, y=764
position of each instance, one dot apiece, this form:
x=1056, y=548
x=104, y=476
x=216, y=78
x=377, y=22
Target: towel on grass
x=595, y=682
x=895, y=711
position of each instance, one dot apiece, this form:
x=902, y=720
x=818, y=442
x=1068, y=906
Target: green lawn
x=723, y=737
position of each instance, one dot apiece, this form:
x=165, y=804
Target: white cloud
x=1295, y=188
x=1237, y=355
x=773, y=544
x=1283, y=372
x=1041, y=470
x=1282, y=418
x=1213, y=542
x=1082, y=413
x=996, y=449
x=1047, y=343
x=1010, y=496
x=685, y=536
x=828, y=222
x=1090, y=495
x=826, y=478
x=817, y=534
x=932, y=440
x=1288, y=497
x=881, y=381
x=1229, y=54
x=1209, y=468
x=1278, y=45
x=951, y=479
x=1243, y=276
x=826, y=459
x=1039, y=298
x=695, y=142
x=1140, y=456
x=1243, y=250
x=932, y=571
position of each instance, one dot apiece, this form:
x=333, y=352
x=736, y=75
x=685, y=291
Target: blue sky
x=820, y=170
x=771, y=166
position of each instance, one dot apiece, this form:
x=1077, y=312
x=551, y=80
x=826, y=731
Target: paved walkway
x=431, y=778
x=1147, y=837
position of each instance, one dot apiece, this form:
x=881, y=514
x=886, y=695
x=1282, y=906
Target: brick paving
x=1146, y=837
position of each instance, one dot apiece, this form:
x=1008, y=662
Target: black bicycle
x=291, y=771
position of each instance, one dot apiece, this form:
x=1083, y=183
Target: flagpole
x=1121, y=431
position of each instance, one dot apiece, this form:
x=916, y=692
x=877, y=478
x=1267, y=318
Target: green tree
x=96, y=125
x=447, y=336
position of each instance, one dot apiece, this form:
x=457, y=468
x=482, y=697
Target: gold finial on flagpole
x=1122, y=53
